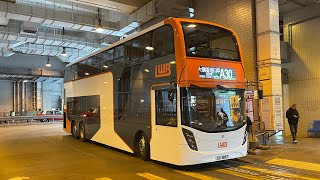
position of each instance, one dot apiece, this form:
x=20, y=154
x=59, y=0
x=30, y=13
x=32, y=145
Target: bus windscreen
x=208, y=41
x=213, y=110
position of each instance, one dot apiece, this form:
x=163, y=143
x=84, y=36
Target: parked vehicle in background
x=56, y=115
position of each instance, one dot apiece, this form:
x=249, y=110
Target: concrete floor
x=46, y=152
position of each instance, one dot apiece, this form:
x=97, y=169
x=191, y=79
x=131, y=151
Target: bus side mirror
x=260, y=94
x=171, y=95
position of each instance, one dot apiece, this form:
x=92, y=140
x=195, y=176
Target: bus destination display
x=217, y=73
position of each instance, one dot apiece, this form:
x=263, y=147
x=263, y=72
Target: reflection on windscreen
x=212, y=110
x=209, y=41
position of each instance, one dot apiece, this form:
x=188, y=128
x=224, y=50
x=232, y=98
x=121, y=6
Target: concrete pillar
x=14, y=96
x=18, y=98
x=269, y=62
x=39, y=96
x=23, y=98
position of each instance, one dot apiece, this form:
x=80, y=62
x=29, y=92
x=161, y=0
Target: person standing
x=292, y=115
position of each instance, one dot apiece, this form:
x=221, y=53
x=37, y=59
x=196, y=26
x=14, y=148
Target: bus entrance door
x=164, y=125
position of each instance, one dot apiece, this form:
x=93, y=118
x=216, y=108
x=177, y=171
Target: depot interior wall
x=304, y=63
x=239, y=16
x=52, y=93
x=6, y=97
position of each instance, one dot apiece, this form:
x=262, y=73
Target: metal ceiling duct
x=11, y=1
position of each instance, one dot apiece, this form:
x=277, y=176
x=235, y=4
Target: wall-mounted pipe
x=298, y=22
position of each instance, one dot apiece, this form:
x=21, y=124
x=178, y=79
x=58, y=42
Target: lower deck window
x=166, y=108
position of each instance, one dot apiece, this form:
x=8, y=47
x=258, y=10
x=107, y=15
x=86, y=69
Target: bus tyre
x=74, y=130
x=143, y=147
x=82, y=132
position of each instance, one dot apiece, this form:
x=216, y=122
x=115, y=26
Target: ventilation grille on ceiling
x=29, y=28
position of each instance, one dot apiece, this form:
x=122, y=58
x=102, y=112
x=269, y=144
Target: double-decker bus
x=173, y=92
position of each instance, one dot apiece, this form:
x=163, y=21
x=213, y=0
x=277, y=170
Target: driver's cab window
x=166, y=107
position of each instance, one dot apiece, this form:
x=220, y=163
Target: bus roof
x=145, y=31
x=121, y=41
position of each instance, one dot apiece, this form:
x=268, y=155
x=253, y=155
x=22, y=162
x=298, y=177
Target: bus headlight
x=188, y=135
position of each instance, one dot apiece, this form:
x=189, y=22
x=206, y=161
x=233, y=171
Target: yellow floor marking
x=196, y=175
x=277, y=173
x=19, y=178
x=150, y=176
x=248, y=176
x=103, y=178
x=295, y=164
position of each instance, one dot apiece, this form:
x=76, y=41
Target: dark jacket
x=290, y=116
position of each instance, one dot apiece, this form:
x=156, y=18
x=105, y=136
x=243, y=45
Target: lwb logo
x=222, y=144
x=163, y=70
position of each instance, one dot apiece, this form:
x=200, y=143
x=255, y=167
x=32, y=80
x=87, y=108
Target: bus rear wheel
x=74, y=130
x=82, y=132
x=143, y=147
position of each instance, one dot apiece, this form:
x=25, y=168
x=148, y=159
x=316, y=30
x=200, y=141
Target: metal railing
x=15, y=120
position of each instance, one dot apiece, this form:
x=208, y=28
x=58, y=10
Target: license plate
x=222, y=157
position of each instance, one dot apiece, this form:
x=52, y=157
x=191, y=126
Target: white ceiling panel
x=40, y=41
x=65, y=44
x=48, y=42
x=86, y=28
x=12, y=37
x=56, y=43
x=21, y=38
x=76, y=26
x=47, y=22
x=31, y=40
x=37, y=20
x=111, y=5
x=3, y=45
x=18, y=17
x=45, y=53
x=30, y=51
x=62, y=24
x=80, y=46
x=72, y=45
x=118, y=33
x=4, y=21
x=54, y=53
x=87, y=48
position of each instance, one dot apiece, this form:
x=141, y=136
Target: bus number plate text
x=222, y=157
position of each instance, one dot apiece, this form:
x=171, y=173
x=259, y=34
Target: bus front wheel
x=82, y=132
x=74, y=130
x=143, y=147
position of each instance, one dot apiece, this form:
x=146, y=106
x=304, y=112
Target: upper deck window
x=207, y=41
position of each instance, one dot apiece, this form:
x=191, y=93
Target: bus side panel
x=100, y=85
x=136, y=116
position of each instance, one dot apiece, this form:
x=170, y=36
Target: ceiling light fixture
x=48, y=64
x=147, y=70
x=99, y=27
x=64, y=52
x=149, y=48
x=191, y=25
